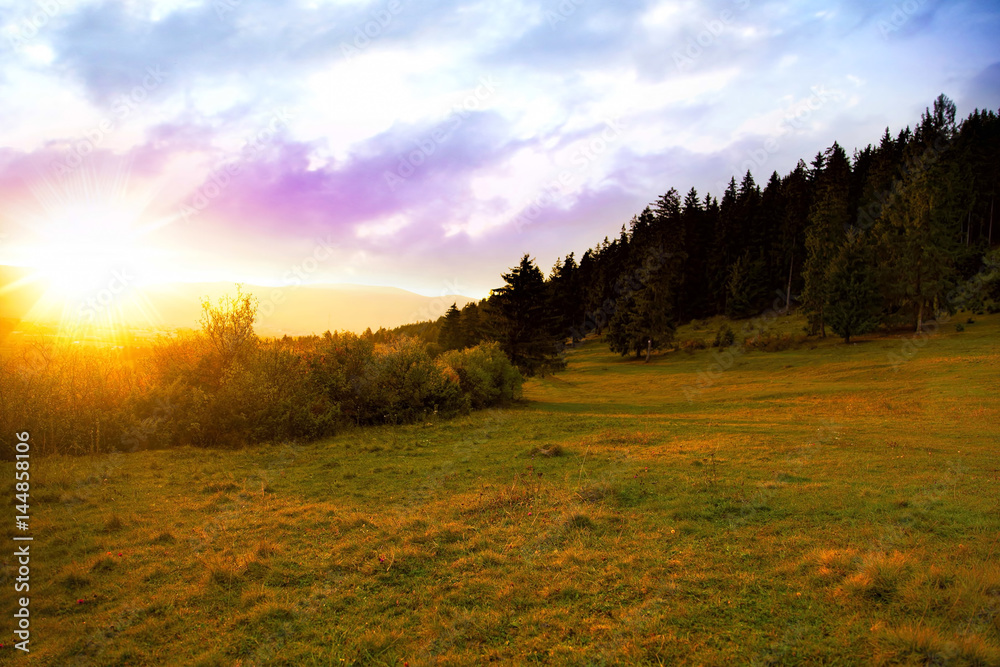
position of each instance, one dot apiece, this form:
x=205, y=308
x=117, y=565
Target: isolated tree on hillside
x=853, y=305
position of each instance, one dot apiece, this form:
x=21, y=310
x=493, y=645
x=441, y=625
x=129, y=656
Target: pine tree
x=924, y=219
x=566, y=298
x=798, y=201
x=450, y=337
x=828, y=220
x=744, y=285
x=853, y=304
x=472, y=327
x=520, y=321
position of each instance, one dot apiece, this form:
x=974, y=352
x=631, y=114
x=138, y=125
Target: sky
x=428, y=145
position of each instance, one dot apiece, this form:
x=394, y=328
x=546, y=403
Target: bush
x=959, y=327
x=485, y=375
x=225, y=387
x=724, y=337
x=403, y=384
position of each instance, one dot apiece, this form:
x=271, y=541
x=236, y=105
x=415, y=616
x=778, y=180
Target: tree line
x=876, y=239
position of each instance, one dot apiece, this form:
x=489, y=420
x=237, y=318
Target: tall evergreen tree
x=853, y=305
x=472, y=326
x=798, y=201
x=520, y=320
x=450, y=337
x=828, y=220
x=924, y=219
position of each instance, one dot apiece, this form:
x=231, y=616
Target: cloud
x=392, y=146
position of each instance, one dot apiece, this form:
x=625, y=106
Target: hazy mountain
x=291, y=310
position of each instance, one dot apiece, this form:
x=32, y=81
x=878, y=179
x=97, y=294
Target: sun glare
x=90, y=248
x=91, y=254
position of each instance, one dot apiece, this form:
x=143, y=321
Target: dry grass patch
x=229, y=570
x=879, y=576
x=595, y=492
x=113, y=524
x=75, y=578
x=549, y=451
x=835, y=563
x=580, y=522
x=922, y=645
x=266, y=548
x=164, y=537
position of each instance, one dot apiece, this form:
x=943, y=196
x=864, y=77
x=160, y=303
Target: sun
x=91, y=253
x=89, y=248
x=93, y=259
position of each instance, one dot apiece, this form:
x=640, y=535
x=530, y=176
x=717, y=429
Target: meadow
x=823, y=504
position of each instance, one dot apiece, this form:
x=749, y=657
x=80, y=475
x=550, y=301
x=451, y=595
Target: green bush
x=265, y=398
x=485, y=375
x=403, y=384
x=724, y=337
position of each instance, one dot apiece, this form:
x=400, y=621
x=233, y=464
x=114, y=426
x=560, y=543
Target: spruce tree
x=520, y=320
x=828, y=220
x=853, y=303
x=450, y=336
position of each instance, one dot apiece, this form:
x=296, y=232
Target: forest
x=883, y=239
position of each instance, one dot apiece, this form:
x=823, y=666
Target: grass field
x=819, y=505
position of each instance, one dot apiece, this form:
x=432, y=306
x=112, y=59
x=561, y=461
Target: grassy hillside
x=820, y=504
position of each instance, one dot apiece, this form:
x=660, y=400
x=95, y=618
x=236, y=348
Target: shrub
x=266, y=397
x=225, y=387
x=724, y=337
x=959, y=327
x=403, y=384
x=485, y=375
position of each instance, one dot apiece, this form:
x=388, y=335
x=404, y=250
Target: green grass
x=816, y=505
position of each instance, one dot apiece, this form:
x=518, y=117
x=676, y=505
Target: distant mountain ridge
x=291, y=310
